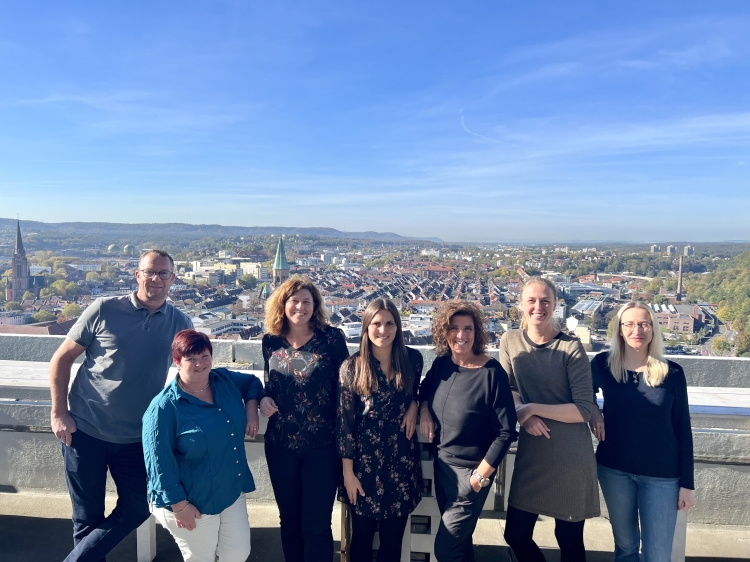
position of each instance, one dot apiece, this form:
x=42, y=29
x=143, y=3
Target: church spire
x=19, y=241
x=280, y=261
x=280, y=265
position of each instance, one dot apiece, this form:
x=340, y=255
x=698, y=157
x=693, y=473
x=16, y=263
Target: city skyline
x=483, y=123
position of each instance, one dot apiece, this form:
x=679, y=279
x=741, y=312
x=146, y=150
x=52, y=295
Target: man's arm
x=62, y=422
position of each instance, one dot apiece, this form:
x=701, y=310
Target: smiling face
x=299, y=308
x=195, y=367
x=382, y=330
x=538, y=304
x=153, y=289
x=461, y=335
x=636, y=337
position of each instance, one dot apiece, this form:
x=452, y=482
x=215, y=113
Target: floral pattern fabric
x=303, y=382
x=369, y=431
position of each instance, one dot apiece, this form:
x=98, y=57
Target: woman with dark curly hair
x=302, y=356
x=467, y=412
x=376, y=434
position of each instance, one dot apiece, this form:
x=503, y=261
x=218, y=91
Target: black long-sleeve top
x=473, y=410
x=647, y=429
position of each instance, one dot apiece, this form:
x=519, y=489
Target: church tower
x=280, y=266
x=18, y=284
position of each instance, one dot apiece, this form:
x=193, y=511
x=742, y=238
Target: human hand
x=253, y=422
x=536, y=427
x=426, y=425
x=409, y=422
x=596, y=423
x=686, y=499
x=524, y=412
x=268, y=407
x=353, y=487
x=185, y=517
x=474, y=483
x=63, y=426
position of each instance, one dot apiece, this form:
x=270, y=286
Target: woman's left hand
x=686, y=499
x=410, y=420
x=253, y=422
x=524, y=412
x=474, y=483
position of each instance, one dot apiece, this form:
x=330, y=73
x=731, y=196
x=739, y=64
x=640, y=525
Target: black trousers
x=305, y=483
x=460, y=508
x=519, y=531
x=390, y=533
x=87, y=460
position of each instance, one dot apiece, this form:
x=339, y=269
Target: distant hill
x=194, y=231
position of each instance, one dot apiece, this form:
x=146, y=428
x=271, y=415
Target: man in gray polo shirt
x=127, y=341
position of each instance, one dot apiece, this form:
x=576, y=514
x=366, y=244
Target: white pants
x=225, y=536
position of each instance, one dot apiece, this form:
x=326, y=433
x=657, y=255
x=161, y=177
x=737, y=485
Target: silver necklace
x=186, y=389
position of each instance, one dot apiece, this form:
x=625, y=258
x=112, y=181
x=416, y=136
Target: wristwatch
x=483, y=482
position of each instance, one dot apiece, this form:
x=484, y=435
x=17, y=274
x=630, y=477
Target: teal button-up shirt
x=195, y=450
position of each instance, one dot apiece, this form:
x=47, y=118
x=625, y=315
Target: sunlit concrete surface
x=36, y=527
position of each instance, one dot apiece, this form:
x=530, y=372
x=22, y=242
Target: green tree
x=12, y=305
x=71, y=310
x=742, y=344
x=59, y=287
x=248, y=281
x=93, y=276
x=594, y=320
x=42, y=316
x=514, y=313
x=28, y=295
x=611, y=326
x=720, y=345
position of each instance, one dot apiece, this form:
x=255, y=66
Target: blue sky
x=478, y=121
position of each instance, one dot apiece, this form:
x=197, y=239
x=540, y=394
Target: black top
x=303, y=383
x=647, y=429
x=368, y=431
x=473, y=409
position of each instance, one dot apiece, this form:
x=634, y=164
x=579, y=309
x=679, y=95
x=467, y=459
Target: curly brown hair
x=442, y=321
x=276, y=321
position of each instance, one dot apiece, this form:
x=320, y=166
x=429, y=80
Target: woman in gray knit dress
x=555, y=468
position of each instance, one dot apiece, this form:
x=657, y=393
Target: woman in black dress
x=302, y=356
x=376, y=434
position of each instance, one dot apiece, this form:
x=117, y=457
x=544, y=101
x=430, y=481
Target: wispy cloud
x=138, y=111
x=463, y=124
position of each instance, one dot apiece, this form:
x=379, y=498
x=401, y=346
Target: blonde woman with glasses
x=645, y=452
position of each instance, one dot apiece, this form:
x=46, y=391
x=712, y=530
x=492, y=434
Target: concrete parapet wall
x=727, y=372
x=26, y=347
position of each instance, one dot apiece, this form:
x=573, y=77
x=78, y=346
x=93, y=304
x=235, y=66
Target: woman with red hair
x=193, y=443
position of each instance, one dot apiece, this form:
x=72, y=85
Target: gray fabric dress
x=556, y=476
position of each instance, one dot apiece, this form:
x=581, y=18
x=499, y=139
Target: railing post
x=146, y=540
x=680, y=538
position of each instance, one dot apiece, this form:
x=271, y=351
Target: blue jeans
x=630, y=497
x=86, y=462
x=305, y=484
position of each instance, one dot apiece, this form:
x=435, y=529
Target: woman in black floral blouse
x=302, y=356
x=375, y=432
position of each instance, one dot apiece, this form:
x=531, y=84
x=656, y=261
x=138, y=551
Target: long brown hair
x=363, y=379
x=442, y=322
x=276, y=322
